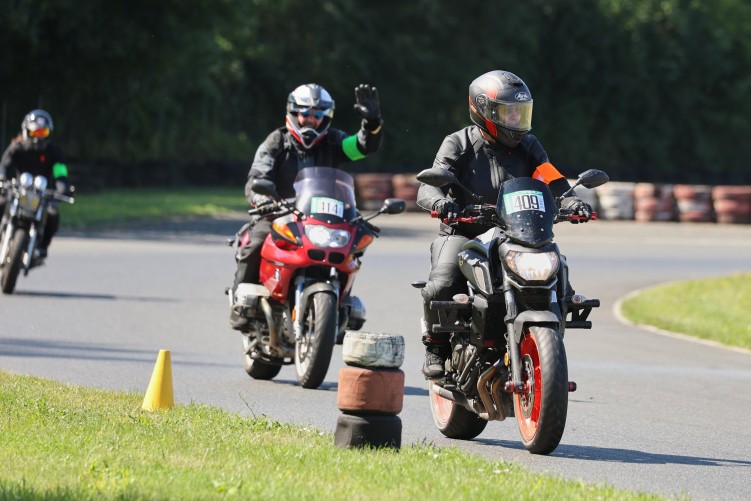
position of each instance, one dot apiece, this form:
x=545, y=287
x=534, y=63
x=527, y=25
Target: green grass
x=715, y=309
x=117, y=206
x=69, y=442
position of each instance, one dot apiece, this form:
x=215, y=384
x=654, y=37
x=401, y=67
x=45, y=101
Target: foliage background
x=181, y=91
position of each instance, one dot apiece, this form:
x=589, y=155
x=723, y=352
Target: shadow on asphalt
x=600, y=454
x=101, y=297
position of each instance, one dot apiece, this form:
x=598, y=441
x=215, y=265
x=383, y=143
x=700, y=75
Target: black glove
x=368, y=106
x=446, y=209
x=578, y=207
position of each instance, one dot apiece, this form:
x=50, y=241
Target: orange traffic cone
x=159, y=394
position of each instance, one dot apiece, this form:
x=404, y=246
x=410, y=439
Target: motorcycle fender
x=525, y=318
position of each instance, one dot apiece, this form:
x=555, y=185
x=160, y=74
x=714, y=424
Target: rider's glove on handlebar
x=368, y=106
x=257, y=199
x=577, y=206
x=446, y=209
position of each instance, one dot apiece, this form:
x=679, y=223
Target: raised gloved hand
x=368, y=106
x=578, y=207
x=446, y=209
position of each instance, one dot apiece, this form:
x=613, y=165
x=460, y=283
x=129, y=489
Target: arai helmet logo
x=521, y=96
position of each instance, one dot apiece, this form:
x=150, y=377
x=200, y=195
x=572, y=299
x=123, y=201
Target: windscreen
x=325, y=194
x=527, y=209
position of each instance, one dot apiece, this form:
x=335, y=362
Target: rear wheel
x=257, y=369
x=313, y=349
x=453, y=420
x=541, y=409
x=13, y=261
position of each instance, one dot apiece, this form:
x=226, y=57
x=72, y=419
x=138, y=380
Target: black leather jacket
x=482, y=166
x=280, y=157
x=21, y=157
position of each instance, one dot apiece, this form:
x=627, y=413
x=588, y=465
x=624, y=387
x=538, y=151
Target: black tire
x=258, y=369
x=453, y=420
x=368, y=431
x=541, y=411
x=314, y=348
x=14, y=260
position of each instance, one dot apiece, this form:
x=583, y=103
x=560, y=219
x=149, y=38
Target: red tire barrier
x=694, y=203
x=654, y=202
x=372, y=190
x=405, y=187
x=370, y=391
x=732, y=204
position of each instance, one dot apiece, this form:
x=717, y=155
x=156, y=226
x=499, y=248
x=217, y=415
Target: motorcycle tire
x=541, y=411
x=14, y=260
x=453, y=420
x=257, y=369
x=314, y=348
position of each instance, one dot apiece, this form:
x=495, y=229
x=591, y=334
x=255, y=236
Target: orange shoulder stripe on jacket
x=546, y=173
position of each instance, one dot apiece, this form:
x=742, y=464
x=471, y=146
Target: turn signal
x=284, y=231
x=364, y=242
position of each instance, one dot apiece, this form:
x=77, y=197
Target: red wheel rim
x=441, y=407
x=527, y=405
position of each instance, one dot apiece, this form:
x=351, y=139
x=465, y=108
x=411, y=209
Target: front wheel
x=453, y=420
x=13, y=261
x=314, y=348
x=541, y=409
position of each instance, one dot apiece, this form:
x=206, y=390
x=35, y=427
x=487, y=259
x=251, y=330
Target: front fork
x=303, y=294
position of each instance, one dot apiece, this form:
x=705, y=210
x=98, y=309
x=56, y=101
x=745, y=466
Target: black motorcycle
x=22, y=226
x=508, y=356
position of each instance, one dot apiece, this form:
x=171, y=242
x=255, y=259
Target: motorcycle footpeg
x=579, y=301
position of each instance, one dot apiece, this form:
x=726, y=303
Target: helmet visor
x=40, y=132
x=514, y=116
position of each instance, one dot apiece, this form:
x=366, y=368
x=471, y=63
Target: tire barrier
x=372, y=190
x=615, y=200
x=372, y=349
x=654, y=202
x=732, y=204
x=405, y=187
x=694, y=203
x=370, y=393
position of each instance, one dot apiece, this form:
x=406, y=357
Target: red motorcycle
x=304, y=305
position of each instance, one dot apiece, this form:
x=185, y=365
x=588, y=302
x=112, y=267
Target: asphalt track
x=653, y=413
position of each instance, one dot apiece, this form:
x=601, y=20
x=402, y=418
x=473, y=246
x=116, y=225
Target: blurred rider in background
x=306, y=140
x=33, y=151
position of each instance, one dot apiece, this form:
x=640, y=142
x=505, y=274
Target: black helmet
x=303, y=99
x=500, y=104
x=37, y=128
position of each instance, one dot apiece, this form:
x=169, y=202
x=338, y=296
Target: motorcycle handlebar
x=473, y=213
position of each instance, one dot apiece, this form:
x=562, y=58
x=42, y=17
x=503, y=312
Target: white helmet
x=309, y=98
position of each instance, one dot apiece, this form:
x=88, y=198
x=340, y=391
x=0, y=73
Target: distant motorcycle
x=22, y=226
x=508, y=357
x=308, y=266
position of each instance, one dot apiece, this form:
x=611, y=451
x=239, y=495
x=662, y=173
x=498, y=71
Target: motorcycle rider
x=306, y=140
x=33, y=151
x=496, y=148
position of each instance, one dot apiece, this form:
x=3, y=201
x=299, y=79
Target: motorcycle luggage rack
x=448, y=313
x=579, y=313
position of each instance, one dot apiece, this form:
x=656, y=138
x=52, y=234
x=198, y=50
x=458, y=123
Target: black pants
x=248, y=257
x=445, y=279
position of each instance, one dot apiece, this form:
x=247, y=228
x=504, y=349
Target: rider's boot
x=436, y=354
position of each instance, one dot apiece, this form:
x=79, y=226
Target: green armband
x=349, y=145
x=59, y=170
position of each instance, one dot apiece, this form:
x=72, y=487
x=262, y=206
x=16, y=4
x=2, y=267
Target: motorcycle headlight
x=40, y=183
x=537, y=266
x=29, y=200
x=323, y=236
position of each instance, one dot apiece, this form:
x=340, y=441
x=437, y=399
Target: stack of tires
x=405, y=187
x=732, y=204
x=372, y=189
x=694, y=203
x=371, y=391
x=615, y=200
x=654, y=202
